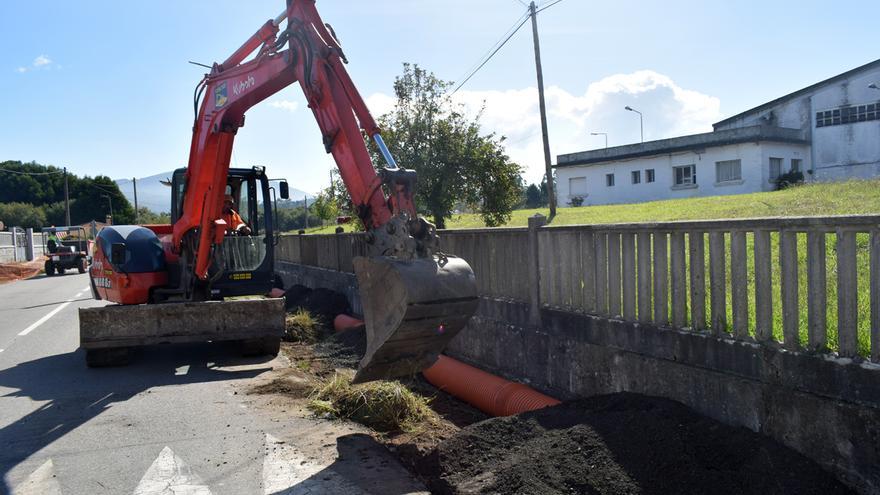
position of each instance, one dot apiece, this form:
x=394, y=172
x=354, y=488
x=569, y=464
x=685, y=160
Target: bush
x=789, y=179
x=576, y=201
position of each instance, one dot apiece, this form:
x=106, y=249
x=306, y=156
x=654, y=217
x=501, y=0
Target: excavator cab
x=244, y=262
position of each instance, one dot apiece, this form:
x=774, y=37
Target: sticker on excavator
x=412, y=309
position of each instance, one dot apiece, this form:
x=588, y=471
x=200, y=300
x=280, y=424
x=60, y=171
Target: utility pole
x=306, y=202
x=551, y=187
x=134, y=182
x=66, y=199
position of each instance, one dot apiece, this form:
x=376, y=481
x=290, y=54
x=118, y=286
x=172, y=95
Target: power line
x=545, y=7
x=495, y=45
x=521, y=23
x=19, y=172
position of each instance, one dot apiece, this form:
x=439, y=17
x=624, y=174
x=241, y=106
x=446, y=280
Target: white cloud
x=669, y=110
x=288, y=105
x=380, y=104
x=41, y=62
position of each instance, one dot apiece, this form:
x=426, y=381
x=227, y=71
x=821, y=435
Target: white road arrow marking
x=287, y=471
x=169, y=475
x=40, y=482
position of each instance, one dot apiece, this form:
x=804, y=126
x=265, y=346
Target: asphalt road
x=175, y=421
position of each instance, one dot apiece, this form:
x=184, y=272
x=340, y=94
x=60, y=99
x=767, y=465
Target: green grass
x=301, y=326
x=840, y=198
x=381, y=405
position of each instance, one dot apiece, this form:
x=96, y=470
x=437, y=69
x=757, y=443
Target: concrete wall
x=755, y=174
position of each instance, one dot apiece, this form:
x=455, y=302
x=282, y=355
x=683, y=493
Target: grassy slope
x=853, y=197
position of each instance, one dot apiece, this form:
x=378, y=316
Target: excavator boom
x=415, y=298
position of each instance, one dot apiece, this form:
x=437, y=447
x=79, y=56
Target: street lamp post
x=641, y=121
x=110, y=201
x=601, y=134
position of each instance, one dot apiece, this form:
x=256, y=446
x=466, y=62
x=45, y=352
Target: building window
x=796, y=165
x=728, y=170
x=649, y=175
x=685, y=175
x=577, y=186
x=775, y=168
x=848, y=114
x=609, y=180
x=636, y=176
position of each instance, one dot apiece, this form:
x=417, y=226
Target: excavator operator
x=234, y=223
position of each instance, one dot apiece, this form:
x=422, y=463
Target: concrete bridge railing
x=810, y=284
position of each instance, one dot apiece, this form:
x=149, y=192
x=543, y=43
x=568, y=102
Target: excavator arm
x=415, y=299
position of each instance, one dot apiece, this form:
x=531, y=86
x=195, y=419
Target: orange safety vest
x=233, y=220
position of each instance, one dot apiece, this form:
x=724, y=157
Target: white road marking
x=287, y=471
x=40, y=482
x=183, y=370
x=169, y=475
x=44, y=319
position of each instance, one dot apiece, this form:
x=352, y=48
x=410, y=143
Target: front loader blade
x=412, y=309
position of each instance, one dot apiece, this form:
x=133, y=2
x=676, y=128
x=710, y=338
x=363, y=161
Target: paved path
x=176, y=421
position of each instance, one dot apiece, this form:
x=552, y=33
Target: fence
x=811, y=284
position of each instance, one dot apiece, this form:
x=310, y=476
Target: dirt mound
x=342, y=349
x=620, y=444
x=10, y=272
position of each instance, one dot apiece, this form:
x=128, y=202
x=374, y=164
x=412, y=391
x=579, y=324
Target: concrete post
x=14, y=231
x=535, y=222
x=29, y=246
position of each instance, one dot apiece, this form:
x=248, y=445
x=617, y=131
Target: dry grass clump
x=381, y=405
x=301, y=326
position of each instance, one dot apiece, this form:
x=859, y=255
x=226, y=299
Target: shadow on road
x=361, y=466
x=55, y=303
x=75, y=394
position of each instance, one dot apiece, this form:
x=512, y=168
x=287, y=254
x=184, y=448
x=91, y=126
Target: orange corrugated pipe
x=344, y=322
x=489, y=393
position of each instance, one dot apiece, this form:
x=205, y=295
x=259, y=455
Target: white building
x=827, y=131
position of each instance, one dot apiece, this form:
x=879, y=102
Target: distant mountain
x=157, y=197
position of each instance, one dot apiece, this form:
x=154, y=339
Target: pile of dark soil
x=342, y=349
x=619, y=444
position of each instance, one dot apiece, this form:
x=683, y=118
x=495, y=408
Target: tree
x=427, y=132
x=325, y=207
x=43, y=186
x=148, y=216
x=22, y=215
x=534, y=198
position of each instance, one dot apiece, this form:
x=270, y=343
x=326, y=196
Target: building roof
x=684, y=143
x=800, y=92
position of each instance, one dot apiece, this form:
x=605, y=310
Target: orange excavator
x=173, y=283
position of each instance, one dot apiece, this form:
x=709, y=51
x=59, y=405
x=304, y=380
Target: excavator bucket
x=412, y=309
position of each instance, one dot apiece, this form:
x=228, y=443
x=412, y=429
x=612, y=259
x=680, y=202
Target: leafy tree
x=19, y=214
x=148, y=216
x=325, y=206
x=43, y=186
x=534, y=198
x=426, y=131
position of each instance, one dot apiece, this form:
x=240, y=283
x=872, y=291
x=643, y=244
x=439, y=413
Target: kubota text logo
x=242, y=86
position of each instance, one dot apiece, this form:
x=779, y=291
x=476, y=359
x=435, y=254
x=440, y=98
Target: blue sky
x=104, y=87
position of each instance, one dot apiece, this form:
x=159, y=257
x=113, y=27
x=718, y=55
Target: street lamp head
x=873, y=86
x=628, y=108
